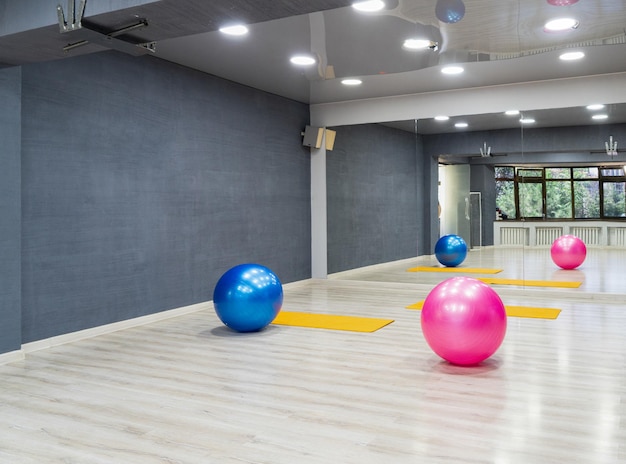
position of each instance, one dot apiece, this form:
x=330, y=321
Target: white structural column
x=319, y=249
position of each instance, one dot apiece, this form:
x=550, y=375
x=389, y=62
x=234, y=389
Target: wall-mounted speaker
x=313, y=137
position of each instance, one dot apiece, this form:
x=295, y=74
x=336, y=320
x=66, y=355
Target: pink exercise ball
x=463, y=320
x=568, y=252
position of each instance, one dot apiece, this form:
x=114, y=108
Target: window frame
x=605, y=174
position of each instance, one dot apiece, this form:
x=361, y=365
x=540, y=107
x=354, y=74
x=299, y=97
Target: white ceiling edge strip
x=556, y=93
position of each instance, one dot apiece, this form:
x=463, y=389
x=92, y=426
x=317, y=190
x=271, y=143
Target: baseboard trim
x=113, y=327
x=372, y=267
x=12, y=356
x=19, y=355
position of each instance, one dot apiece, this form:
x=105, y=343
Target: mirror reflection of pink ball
x=463, y=320
x=568, y=251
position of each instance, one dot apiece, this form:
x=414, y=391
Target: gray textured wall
x=430, y=197
x=373, y=207
x=144, y=181
x=547, y=145
x=10, y=217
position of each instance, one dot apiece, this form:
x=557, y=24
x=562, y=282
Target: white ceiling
x=500, y=42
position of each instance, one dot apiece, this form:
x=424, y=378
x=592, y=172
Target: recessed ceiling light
x=527, y=120
x=569, y=56
x=452, y=70
x=369, y=5
x=442, y=118
x=417, y=44
x=596, y=106
x=237, y=29
x=461, y=125
x=511, y=112
x=302, y=60
x=352, y=82
x=561, y=24
x=600, y=116
x=562, y=2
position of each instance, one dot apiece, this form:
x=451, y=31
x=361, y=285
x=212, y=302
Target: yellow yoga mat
x=469, y=270
x=529, y=283
x=331, y=321
x=515, y=311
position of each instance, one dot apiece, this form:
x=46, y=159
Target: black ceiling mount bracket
x=88, y=32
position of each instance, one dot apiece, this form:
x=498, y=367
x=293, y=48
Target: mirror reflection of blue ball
x=248, y=297
x=450, y=11
x=450, y=250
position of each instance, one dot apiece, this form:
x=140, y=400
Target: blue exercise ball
x=451, y=250
x=248, y=297
x=450, y=11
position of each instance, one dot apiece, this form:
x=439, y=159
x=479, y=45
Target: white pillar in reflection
x=319, y=256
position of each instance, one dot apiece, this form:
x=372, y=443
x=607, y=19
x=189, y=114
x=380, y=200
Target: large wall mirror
x=493, y=179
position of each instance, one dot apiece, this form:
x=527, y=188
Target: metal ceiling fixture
x=611, y=147
x=88, y=32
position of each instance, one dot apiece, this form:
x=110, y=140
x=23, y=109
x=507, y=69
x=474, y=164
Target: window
x=505, y=191
x=613, y=202
x=589, y=192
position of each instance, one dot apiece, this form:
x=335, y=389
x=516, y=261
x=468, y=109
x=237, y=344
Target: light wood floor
x=188, y=390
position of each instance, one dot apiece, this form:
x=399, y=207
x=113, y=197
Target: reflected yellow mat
x=515, y=311
x=529, y=283
x=469, y=270
x=331, y=321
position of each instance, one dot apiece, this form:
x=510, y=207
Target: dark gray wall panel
x=373, y=206
x=481, y=180
x=547, y=145
x=144, y=181
x=10, y=217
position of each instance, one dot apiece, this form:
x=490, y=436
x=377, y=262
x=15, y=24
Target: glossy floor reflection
x=188, y=390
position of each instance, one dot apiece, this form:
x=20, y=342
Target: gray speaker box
x=313, y=137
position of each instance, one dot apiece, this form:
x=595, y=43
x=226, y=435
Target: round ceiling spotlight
x=236, y=29
x=450, y=11
x=562, y=2
x=454, y=69
x=302, y=60
x=352, y=81
x=461, y=125
x=571, y=56
x=561, y=24
x=369, y=5
x=442, y=118
x=417, y=44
